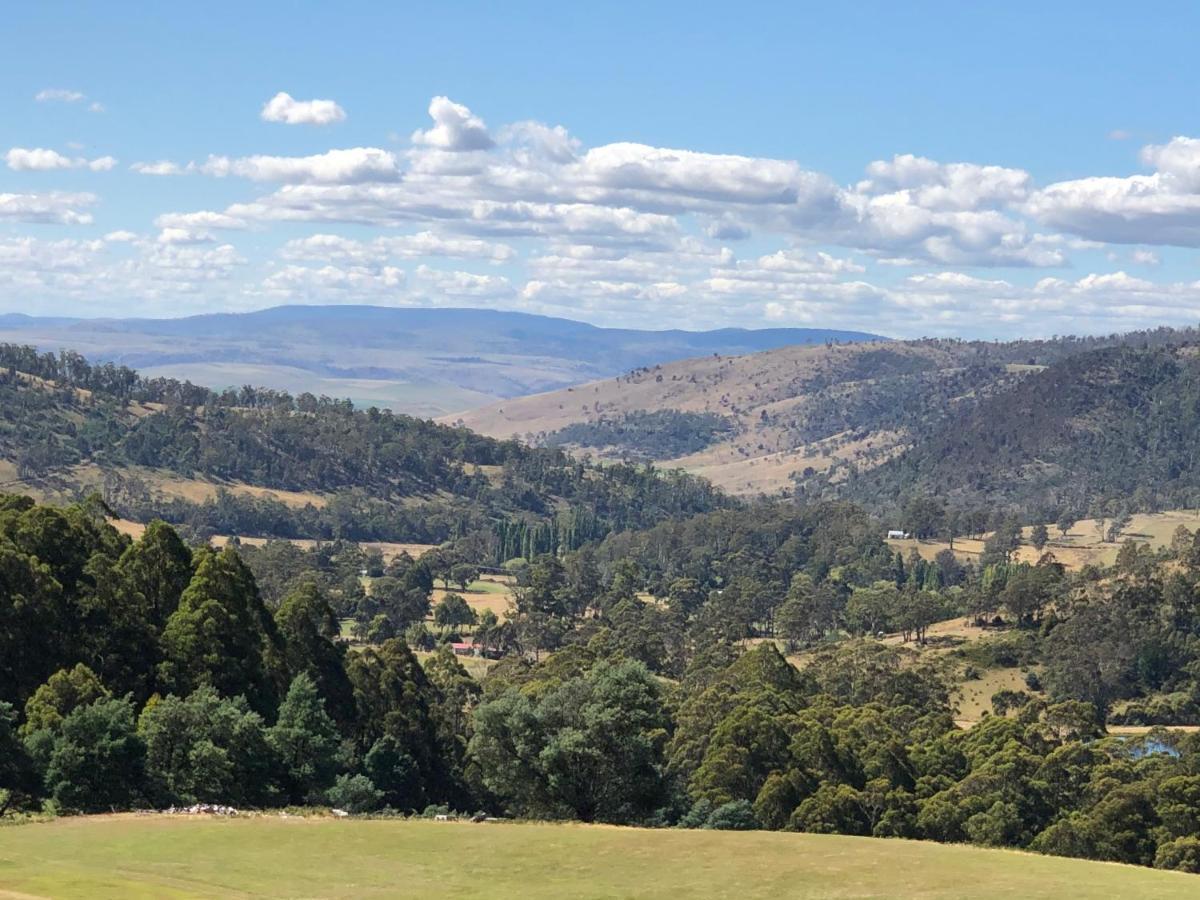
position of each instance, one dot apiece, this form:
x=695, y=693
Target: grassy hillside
x=1033, y=426
x=792, y=413
x=776, y=406
x=1082, y=545
x=132, y=856
x=419, y=361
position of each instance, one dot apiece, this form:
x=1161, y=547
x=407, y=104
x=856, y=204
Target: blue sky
x=926, y=168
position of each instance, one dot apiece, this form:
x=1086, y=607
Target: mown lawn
x=159, y=856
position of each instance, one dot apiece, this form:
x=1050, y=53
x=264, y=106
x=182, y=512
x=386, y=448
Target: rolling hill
x=261, y=462
x=982, y=422
x=420, y=361
x=785, y=412
x=1116, y=425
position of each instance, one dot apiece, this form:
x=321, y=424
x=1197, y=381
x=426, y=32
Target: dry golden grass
x=760, y=458
x=974, y=697
x=198, y=490
x=1081, y=546
x=492, y=592
x=389, y=550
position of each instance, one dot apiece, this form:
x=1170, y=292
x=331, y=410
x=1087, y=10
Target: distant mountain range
x=421, y=361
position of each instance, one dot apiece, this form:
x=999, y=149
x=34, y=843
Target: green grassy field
x=156, y=856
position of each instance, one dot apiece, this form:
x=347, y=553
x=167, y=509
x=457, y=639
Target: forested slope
x=1105, y=428
x=765, y=422
x=373, y=474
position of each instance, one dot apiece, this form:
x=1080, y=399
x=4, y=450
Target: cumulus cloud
x=1178, y=161
x=283, y=108
x=455, y=128
x=20, y=159
x=337, y=284
x=1160, y=208
x=351, y=166
x=55, y=207
x=953, y=186
x=204, y=219
x=528, y=216
x=88, y=270
x=411, y=246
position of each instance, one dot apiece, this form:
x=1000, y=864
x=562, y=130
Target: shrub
x=1181, y=854
x=737, y=815
x=355, y=794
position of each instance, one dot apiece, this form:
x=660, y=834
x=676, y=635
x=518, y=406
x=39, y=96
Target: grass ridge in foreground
x=178, y=856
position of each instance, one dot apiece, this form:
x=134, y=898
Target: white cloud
x=1160, y=208
x=1178, y=160
x=455, y=128
x=20, y=159
x=203, y=219
x=282, y=108
x=59, y=95
x=531, y=142
x=410, y=246
x=63, y=95
x=56, y=207
x=627, y=231
x=351, y=166
x=727, y=228
x=954, y=186
x=462, y=284
x=161, y=167
x=334, y=284
x=177, y=235
x=87, y=271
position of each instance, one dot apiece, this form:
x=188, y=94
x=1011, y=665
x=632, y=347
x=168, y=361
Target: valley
x=424, y=362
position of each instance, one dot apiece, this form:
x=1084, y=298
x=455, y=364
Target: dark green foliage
x=63, y=693
x=860, y=740
x=18, y=778
x=309, y=633
x=158, y=567
x=207, y=749
x=305, y=740
x=97, y=759
x=662, y=434
x=222, y=635
x=354, y=794
x=395, y=701
x=589, y=748
x=453, y=611
x=737, y=815
x=1095, y=426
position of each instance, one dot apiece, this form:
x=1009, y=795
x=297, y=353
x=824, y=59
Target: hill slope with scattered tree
x=1099, y=433
x=371, y=474
x=796, y=415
